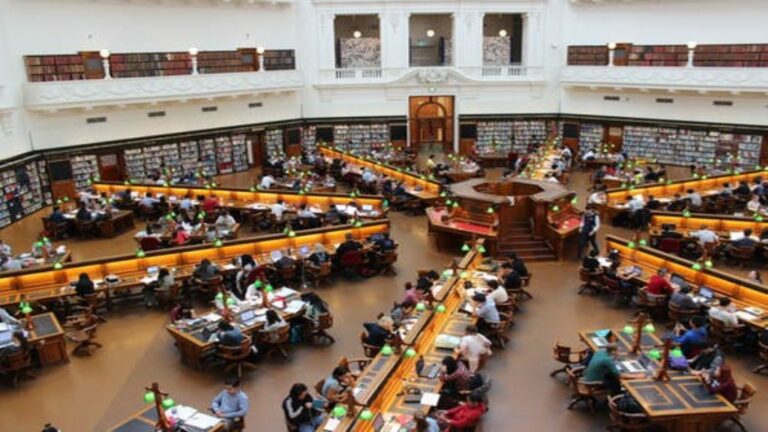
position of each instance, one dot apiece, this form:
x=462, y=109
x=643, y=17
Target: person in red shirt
x=465, y=415
x=210, y=204
x=181, y=237
x=659, y=284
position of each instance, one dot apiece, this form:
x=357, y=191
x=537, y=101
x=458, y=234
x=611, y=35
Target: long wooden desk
x=243, y=199
x=743, y=292
x=47, y=337
x=46, y=262
x=705, y=186
x=381, y=385
x=426, y=189
x=146, y=419
x=723, y=225
x=53, y=284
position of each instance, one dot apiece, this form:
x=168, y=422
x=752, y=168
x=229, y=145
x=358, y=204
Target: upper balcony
x=485, y=75
x=691, y=67
x=90, y=79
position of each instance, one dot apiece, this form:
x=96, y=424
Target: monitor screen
x=706, y=292
x=678, y=280
x=304, y=250
x=247, y=315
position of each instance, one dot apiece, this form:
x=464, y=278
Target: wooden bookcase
x=279, y=60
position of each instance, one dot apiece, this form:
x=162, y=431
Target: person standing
x=590, y=224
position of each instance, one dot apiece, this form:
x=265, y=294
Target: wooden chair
x=56, y=230
x=320, y=274
x=319, y=330
x=351, y=263
x=236, y=357
x=150, y=243
x=671, y=245
x=276, y=340
x=508, y=307
x=763, y=351
x=677, y=315
x=612, y=287
x=653, y=304
x=288, y=275
x=369, y=351
x=741, y=255
x=148, y=213
x=590, y=280
x=387, y=260
x=208, y=288
x=524, y=294
x=497, y=335
x=567, y=356
x=256, y=218
x=746, y=394
x=624, y=421
x=84, y=339
x=85, y=229
x=725, y=336
x=356, y=366
x=585, y=391
x=17, y=365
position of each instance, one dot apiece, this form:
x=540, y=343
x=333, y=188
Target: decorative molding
x=429, y=76
x=89, y=93
x=432, y=76
x=745, y=80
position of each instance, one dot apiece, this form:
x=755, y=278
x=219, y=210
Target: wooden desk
x=45, y=285
x=623, y=341
x=145, y=420
x=121, y=220
x=743, y=292
x=493, y=160
x=616, y=198
x=723, y=225
x=682, y=404
x=450, y=233
x=47, y=338
x=45, y=262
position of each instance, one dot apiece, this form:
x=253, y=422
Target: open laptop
x=367, y=207
x=6, y=339
x=678, y=280
x=706, y=293
x=636, y=366
x=304, y=251
x=276, y=255
x=248, y=317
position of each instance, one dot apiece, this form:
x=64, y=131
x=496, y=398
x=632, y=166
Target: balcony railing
x=510, y=73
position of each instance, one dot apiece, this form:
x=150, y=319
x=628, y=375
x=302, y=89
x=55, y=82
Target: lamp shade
x=649, y=328
x=628, y=329
x=440, y=308
x=149, y=397
x=386, y=350
x=339, y=411
x=193, y=51
x=261, y=50
x=366, y=415
x=410, y=353
x=104, y=53
x=420, y=306
x=168, y=403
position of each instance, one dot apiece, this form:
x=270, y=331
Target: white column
x=533, y=47
x=468, y=39
x=394, y=39
x=326, y=42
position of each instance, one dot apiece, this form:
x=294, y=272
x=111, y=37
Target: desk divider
x=720, y=223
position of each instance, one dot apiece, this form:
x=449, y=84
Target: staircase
x=516, y=236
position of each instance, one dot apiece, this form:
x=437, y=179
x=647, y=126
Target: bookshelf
x=134, y=164
x=207, y=162
x=359, y=138
x=743, y=55
x=658, y=55
x=494, y=136
x=309, y=138
x=209, y=62
x=25, y=190
x=84, y=168
x=189, y=156
x=279, y=60
x=591, y=136
x=224, y=154
x=528, y=134
x=54, y=68
x=239, y=153
x=274, y=142
x=149, y=64
x=596, y=55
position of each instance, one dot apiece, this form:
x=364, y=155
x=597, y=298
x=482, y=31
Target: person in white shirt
x=225, y=220
x=705, y=235
x=5, y=249
x=497, y=292
x=597, y=197
x=266, y=182
x=754, y=204
x=305, y=212
x=278, y=209
x=473, y=346
x=369, y=176
x=725, y=313
x=636, y=203
x=693, y=197
x=550, y=178
x=148, y=201
x=9, y=263
x=186, y=203
x=431, y=164
x=85, y=196
x=589, y=155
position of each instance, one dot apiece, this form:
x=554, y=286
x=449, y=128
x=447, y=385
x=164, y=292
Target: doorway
x=431, y=123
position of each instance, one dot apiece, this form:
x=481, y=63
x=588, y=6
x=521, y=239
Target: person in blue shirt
x=231, y=405
x=229, y=335
x=57, y=216
x=692, y=341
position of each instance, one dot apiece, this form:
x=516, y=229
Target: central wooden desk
x=47, y=337
x=682, y=404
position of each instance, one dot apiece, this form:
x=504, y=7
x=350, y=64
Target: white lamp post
x=691, y=48
x=611, y=49
x=193, y=56
x=104, y=53
x=260, y=51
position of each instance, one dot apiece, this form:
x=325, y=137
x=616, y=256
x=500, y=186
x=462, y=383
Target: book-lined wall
x=309, y=138
x=504, y=136
x=591, y=136
x=360, y=137
x=210, y=156
x=731, y=55
x=137, y=65
x=689, y=146
x=26, y=189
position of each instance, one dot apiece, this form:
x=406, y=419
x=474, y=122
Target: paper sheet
x=430, y=399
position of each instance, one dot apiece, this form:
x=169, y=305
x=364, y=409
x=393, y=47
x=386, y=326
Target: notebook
x=247, y=317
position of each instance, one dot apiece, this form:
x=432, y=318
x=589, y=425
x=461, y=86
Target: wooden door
x=109, y=168
x=258, y=153
x=615, y=137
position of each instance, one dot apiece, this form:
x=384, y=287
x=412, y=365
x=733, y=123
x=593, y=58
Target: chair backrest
x=561, y=352
x=388, y=257
x=680, y=315
x=149, y=243
x=237, y=352
x=351, y=258
x=624, y=420
x=670, y=245
x=319, y=386
x=746, y=394
x=278, y=336
x=611, y=284
x=763, y=350
x=743, y=252
x=325, y=321
x=16, y=361
x=368, y=350
x=587, y=276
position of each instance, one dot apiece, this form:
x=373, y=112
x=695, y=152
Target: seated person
x=693, y=340
x=624, y=279
x=57, y=216
x=83, y=214
x=181, y=236
x=653, y=203
x=742, y=189
x=602, y=368
x=305, y=212
x=496, y=292
x=590, y=262
x=225, y=220
x=693, y=197
x=722, y=383
x=705, y=235
x=266, y=181
x=725, y=313
x=278, y=209
x=465, y=415
x=384, y=243
x=319, y=256
x=517, y=264
x=455, y=378
x=229, y=335
x=211, y=233
x=683, y=300
x=380, y=332
x=210, y=204
x=350, y=244
x=727, y=191
x=678, y=204
x=659, y=283
x=42, y=247
x=298, y=410
x=510, y=277
x=148, y=202
x=708, y=360
x=274, y=322
x=426, y=281
x=285, y=262
x=336, y=386
x=473, y=346
x=231, y=404
x=754, y=204
x=745, y=242
x=182, y=311
x=205, y=271
x=10, y=263
x=7, y=318
x=333, y=216
x=84, y=286
x=486, y=312
x=402, y=312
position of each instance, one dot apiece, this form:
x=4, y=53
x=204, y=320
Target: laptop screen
x=367, y=207
x=276, y=255
x=6, y=338
x=678, y=280
x=378, y=423
x=247, y=315
x=304, y=250
x=706, y=292
x=644, y=361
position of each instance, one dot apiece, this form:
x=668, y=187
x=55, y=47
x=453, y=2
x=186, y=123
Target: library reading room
x=383, y=215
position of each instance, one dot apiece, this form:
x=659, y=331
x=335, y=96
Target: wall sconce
x=357, y=34
x=104, y=53
x=503, y=33
x=611, y=49
x=691, y=48
x=193, y=55
x=430, y=33
x=260, y=51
